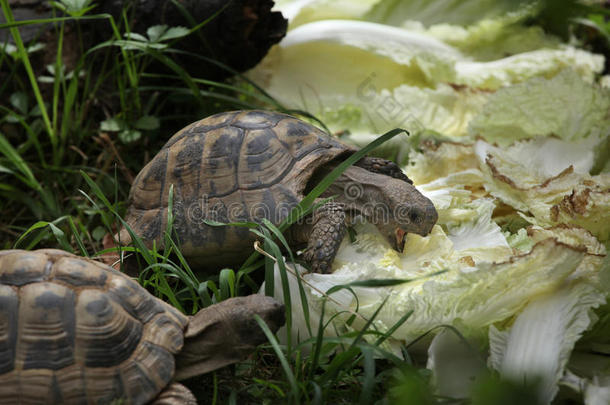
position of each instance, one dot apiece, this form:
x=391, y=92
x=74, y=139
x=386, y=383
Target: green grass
x=71, y=140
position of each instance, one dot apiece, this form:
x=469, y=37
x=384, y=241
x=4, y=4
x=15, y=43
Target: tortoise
x=248, y=165
x=73, y=330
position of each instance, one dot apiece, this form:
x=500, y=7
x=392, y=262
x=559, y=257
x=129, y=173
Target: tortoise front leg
x=382, y=166
x=175, y=394
x=328, y=228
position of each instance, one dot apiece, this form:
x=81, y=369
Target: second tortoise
x=75, y=331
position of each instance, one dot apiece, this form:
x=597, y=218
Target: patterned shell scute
x=75, y=331
x=228, y=152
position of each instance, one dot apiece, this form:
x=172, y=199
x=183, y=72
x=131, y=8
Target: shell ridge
x=9, y=300
x=196, y=127
x=72, y=384
x=46, y=273
x=243, y=133
x=166, y=331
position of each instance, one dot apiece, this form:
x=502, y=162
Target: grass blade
x=136, y=240
x=368, y=382
x=269, y=271
x=304, y=303
x=79, y=241
x=13, y=156
x=37, y=225
x=226, y=279
x=279, y=259
x=8, y=14
x=60, y=236
x=397, y=325
x=164, y=287
x=315, y=359
x=281, y=357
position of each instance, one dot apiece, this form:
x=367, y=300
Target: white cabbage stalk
x=396, y=44
x=539, y=343
x=456, y=364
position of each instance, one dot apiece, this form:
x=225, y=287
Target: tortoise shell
x=230, y=167
x=73, y=330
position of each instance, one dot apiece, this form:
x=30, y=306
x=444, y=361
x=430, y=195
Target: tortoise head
x=390, y=202
x=225, y=333
x=408, y=211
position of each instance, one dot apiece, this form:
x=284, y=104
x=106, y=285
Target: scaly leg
x=327, y=231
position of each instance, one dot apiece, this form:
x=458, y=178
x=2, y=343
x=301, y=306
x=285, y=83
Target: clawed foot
x=328, y=230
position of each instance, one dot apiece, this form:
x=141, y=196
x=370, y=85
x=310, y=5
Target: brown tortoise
x=248, y=165
x=75, y=331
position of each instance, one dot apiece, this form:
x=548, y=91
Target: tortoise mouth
x=399, y=239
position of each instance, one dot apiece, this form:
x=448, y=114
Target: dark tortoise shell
x=231, y=167
x=73, y=330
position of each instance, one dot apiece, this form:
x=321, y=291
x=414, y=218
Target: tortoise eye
x=413, y=216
